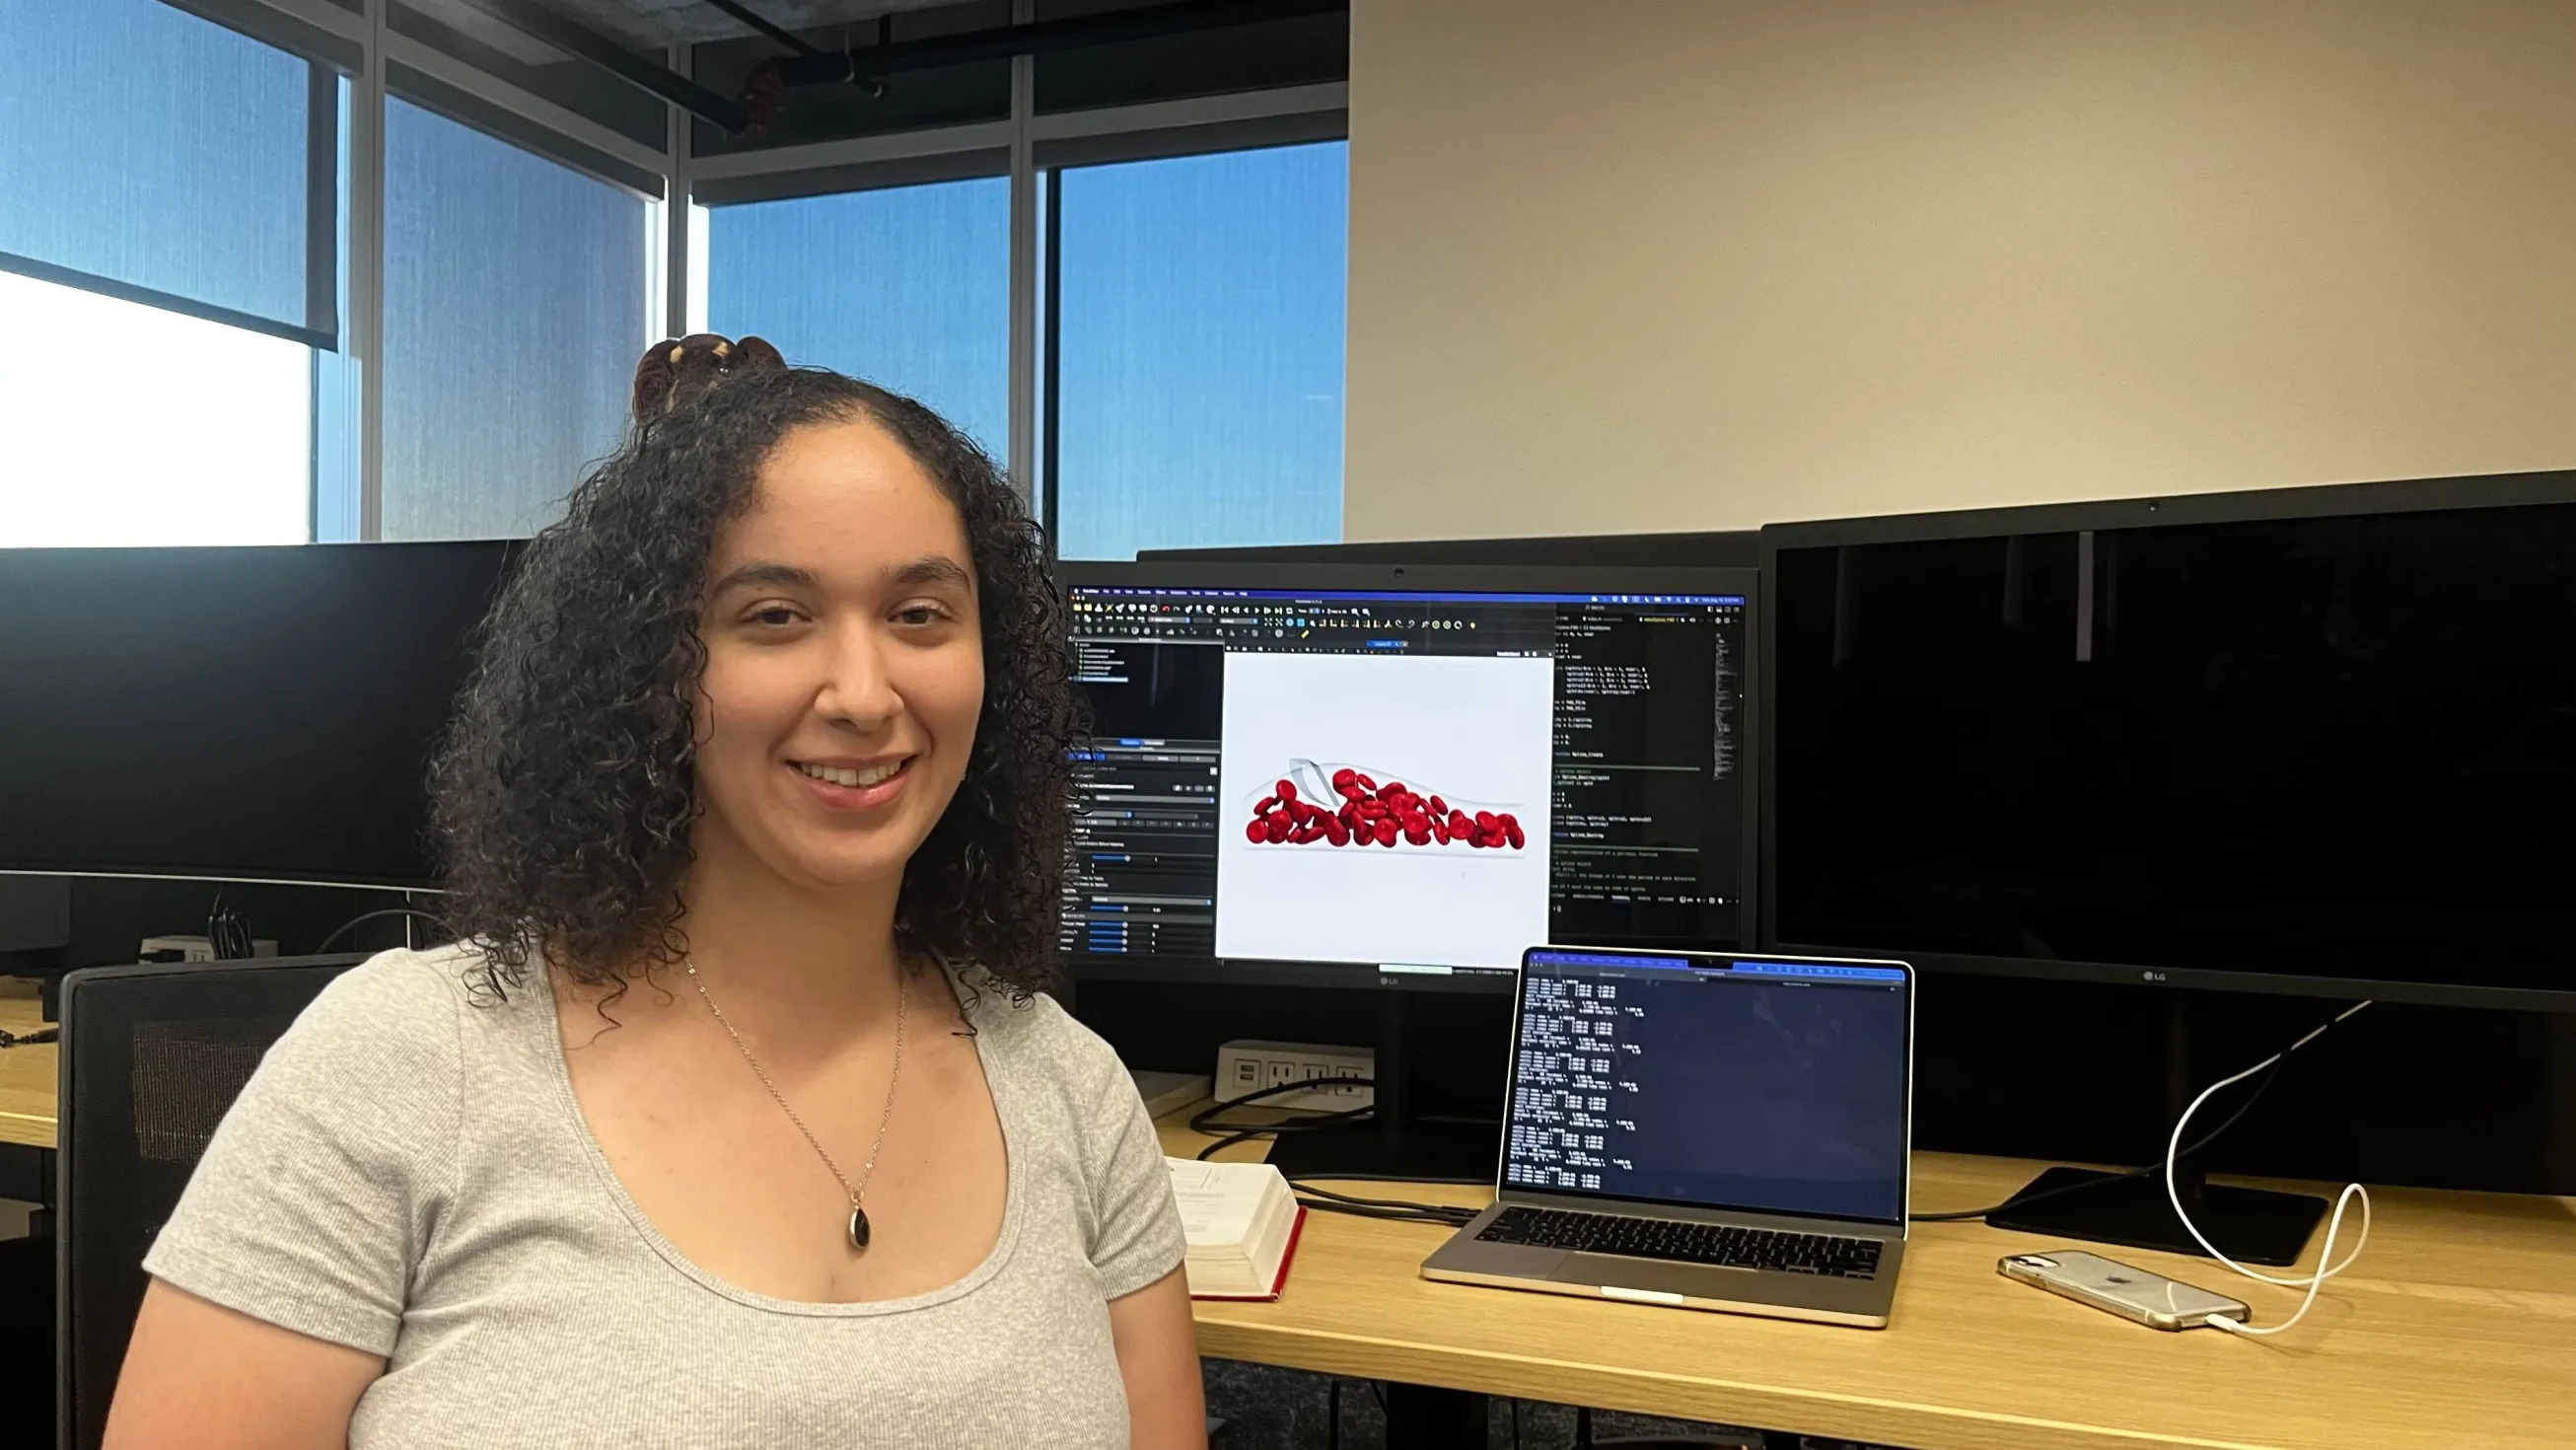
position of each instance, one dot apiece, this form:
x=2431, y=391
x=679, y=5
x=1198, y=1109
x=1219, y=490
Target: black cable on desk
x=1204, y=1120
x=1399, y=1210
x=1323, y=1200
x=1229, y=1134
x=225, y=934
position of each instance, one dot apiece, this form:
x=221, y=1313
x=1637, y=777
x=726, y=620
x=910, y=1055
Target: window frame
x=1119, y=149
x=354, y=41
x=327, y=58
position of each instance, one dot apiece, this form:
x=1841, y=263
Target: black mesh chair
x=151, y=1058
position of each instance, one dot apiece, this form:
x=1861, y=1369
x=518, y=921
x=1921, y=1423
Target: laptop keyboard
x=1731, y=1247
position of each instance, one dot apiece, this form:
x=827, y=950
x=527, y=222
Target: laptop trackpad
x=1701, y=1281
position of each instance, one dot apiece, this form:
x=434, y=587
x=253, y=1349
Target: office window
x=127, y=424
x=514, y=313
x=908, y=287
x=1198, y=373
x=144, y=148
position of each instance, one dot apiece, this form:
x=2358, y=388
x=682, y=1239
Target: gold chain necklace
x=859, y=1232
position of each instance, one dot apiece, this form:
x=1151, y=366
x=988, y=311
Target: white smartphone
x=2150, y=1299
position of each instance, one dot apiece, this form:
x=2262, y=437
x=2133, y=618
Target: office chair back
x=152, y=1056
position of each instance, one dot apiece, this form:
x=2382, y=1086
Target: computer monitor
x=1729, y=548
x=258, y=713
x=2314, y=741
x=1362, y=774
x=1770, y=1086
x=2317, y=741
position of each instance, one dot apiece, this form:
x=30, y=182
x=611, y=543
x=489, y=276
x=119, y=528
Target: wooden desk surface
x=2457, y=1327
x=27, y=1081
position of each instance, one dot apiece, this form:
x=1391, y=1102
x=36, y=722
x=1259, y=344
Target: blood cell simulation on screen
x=1366, y=813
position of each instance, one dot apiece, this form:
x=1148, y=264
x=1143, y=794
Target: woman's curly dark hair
x=564, y=788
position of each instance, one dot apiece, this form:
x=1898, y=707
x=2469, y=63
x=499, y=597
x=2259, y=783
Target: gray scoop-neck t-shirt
x=408, y=1174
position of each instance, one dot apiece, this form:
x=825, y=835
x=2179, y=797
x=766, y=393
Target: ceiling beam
x=583, y=43
x=1174, y=17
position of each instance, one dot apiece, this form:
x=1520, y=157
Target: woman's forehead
x=843, y=499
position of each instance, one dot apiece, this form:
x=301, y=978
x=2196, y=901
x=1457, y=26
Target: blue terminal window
x=514, y=313
x=1199, y=349
x=1853, y=972
x=1774, y=1086
x=907, y=287
x=144, y=147
x=1415, y=596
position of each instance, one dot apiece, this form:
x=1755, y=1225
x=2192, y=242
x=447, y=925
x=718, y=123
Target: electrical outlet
x=199, y=949
x=1245, y=1066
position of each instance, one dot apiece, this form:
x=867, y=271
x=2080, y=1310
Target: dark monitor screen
x=242, y=713
x=2283, y=753
x=1769, y=1086
x=1298, y=772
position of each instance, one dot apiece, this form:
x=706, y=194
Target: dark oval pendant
x=858, y=1227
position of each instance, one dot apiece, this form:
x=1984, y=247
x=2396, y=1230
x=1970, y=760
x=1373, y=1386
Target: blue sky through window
x=1200, y=366
x=514, y=314
x=907, y=287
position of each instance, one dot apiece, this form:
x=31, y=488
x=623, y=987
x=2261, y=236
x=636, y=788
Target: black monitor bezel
x=506, y=555
x=1461, y=578
x=2496, y=490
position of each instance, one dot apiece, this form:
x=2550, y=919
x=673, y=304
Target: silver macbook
x=1709, y=1132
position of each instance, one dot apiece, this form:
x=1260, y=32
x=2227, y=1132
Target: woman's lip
x=856, y=797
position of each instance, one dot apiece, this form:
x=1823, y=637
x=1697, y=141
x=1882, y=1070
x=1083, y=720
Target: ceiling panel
x=651, y=24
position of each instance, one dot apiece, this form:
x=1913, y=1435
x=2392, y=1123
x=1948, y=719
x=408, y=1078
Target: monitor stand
x=2249, y=1225
x=1392, y=1143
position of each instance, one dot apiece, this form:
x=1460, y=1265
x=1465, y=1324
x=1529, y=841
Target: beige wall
x=1674, y=264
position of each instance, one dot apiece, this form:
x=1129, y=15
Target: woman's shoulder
x=431, y=981
x=400, y=1005
x=1034, y=1029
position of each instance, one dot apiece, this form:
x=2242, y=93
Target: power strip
x=1246, y=1066
x=197, y=948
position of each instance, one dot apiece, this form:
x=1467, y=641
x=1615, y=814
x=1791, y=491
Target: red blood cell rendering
x=1373, y=814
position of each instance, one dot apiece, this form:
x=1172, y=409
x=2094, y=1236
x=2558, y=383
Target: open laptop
x=1714, y=1132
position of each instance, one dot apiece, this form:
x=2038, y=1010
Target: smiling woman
x=773, y=724
x=566, y=790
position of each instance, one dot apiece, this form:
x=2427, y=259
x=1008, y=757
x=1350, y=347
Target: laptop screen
x=1770, y=1086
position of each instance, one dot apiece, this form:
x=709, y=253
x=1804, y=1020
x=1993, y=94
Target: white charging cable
x=2326, y=1267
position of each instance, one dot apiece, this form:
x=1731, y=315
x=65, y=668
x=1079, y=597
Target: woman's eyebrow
x=764, y=574
x=933, y=569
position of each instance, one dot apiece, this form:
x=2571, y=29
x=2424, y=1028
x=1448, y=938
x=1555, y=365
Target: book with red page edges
x=1242, y=1223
